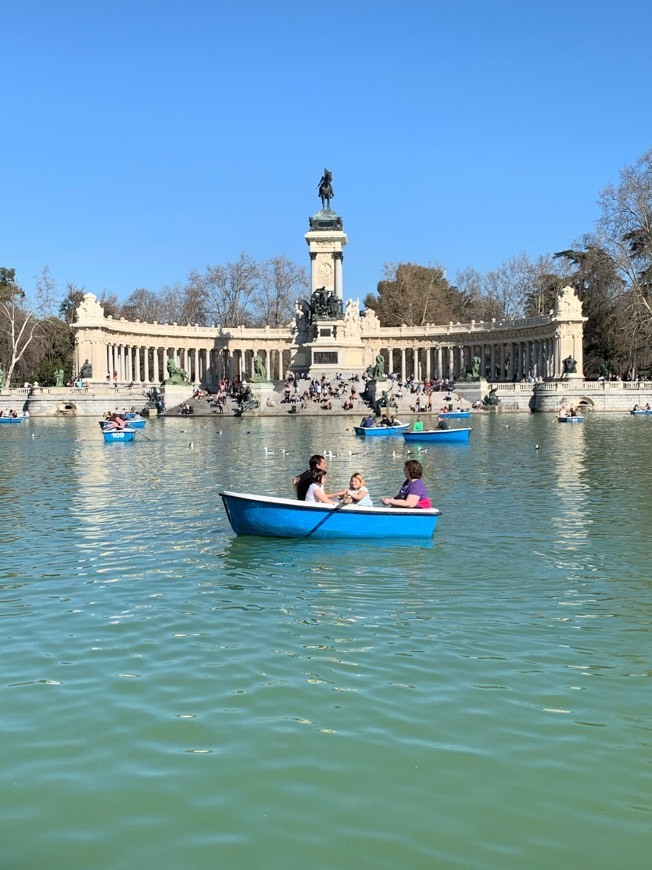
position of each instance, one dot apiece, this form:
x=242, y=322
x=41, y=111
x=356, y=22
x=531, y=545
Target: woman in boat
x=357, y=493
x=316, y=493
x=413, y=493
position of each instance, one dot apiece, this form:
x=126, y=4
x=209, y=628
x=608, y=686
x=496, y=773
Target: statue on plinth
x=570, y=366
x=176, y=375
x=376, y=372
x=59, y=376
x=326, y=189
x=86, y=371
x=259, y=370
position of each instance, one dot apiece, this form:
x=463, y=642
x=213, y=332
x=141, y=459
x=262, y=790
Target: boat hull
x=570, y=419
x=642, y=413
x=439, y=436
x=11, y=419
x=136, y=423
x=381, y=431
x=288, y=518
x=120, y=436
x=455, y=415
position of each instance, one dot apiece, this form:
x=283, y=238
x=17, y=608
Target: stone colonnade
x=500, y=351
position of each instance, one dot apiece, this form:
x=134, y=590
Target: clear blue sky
x=142, y=139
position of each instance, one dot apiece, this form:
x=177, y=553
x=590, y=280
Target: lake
x=177, y=697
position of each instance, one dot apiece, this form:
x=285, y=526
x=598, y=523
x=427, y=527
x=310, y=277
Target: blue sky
x=143, y=139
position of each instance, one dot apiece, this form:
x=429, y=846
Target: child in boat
x=315, y=493
x=357, y=492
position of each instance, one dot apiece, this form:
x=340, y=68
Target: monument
x=329, y=338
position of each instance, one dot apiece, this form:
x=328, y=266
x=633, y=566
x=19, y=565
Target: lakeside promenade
x=591, y=396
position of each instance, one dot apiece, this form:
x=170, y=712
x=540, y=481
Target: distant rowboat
x=450, y=415
x=111, y=436
x=570, y=419
x=439, y=436
x=12, y=419
x=380, y=431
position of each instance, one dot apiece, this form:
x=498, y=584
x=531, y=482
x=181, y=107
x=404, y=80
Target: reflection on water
x=264, y=702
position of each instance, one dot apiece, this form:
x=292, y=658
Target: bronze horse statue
x=326, y=189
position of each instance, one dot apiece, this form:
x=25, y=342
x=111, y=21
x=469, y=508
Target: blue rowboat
x=570, y=419
x=380, y=431
x=641, y=413
x=134, y=422
x=120, y=435
x=11, y=419
x=439, y=436
x=288, y=518
x=451, y=415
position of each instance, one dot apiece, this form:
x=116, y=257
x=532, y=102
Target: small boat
x=443, y=436
x=451, y=415
x=642, y=412
x=12, y=419
x=121, y=435
x=380, y=431
x=135, y=421
x=288, y=518
x=570, y=419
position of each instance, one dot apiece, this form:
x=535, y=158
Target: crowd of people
x=310, y=486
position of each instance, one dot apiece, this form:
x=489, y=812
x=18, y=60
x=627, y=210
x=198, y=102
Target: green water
x=174, y=697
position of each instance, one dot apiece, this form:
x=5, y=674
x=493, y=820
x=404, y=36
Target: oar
x=140, y=432
x=328, y=515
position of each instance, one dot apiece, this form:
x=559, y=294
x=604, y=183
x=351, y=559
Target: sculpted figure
x=86, y=371
x=326, y=189
x=259, y=369
x=570, y=366
x=59, y=375
x=176, y=374
x=475, y=367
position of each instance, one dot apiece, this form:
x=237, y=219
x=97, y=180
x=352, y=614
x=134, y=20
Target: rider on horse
x=326, y=189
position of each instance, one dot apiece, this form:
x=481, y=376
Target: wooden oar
x=328, y=515
x=140, y=432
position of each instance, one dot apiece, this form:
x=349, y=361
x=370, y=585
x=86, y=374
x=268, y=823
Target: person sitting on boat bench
x=413, y=493
x=301, y=482
x=316, y=492
x=368, y=422
x=442, y=424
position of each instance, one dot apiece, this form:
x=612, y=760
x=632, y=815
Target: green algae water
x=175, y=697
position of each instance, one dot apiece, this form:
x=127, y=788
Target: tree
x=415, y=295
x=22, y=320
x=280, y=283
x=228, y=291
x=70, y=302
x=594, y=275
x=624, y=231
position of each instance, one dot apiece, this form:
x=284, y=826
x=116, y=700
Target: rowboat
x=288, y=518
x=641, y=413
x=380, y=431
x=12, y=419
x=121, y=435
x=135, y=422
x=450, y=415
x=570, y=419
x=443, y=436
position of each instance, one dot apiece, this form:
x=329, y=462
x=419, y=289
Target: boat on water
x=12, y=419
x=439, y=436
x=380, y=431
x=454, y=415
x=641, y=413
x=288, y=518
x=574, y=419
x=135, y=421
x=111, y=436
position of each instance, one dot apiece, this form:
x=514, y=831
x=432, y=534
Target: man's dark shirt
x=304, y=484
